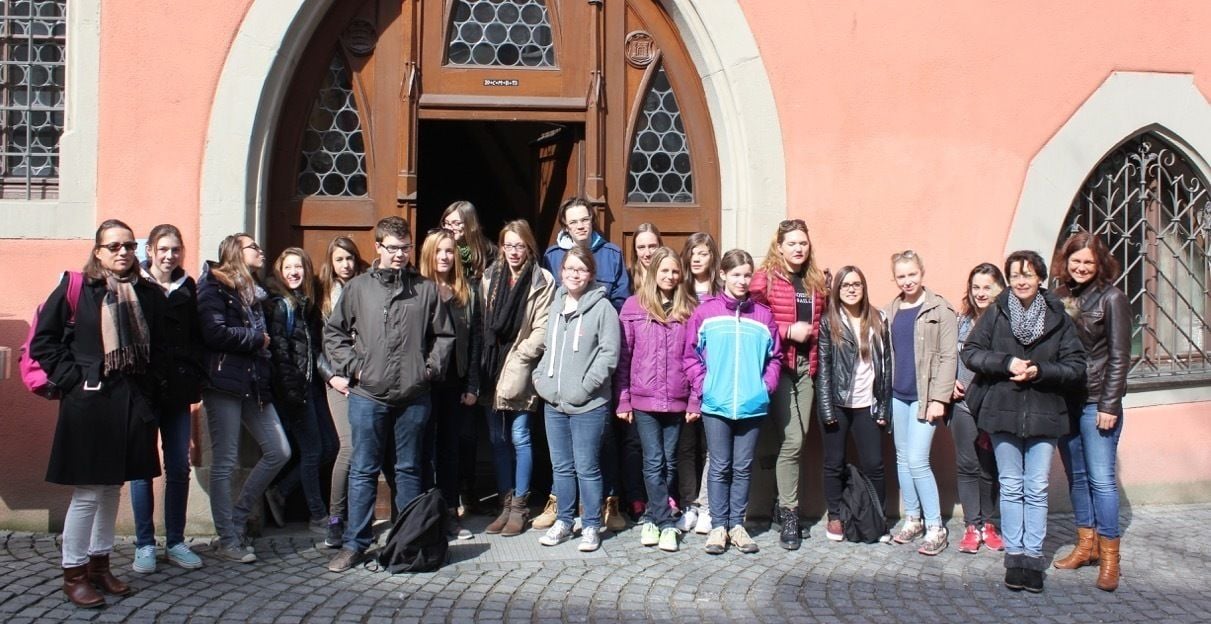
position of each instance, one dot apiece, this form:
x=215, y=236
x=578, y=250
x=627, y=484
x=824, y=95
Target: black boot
x=790, y=537
x=1013, y=578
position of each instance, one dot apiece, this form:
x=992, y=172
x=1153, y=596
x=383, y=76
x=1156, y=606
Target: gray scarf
x=1027, y=323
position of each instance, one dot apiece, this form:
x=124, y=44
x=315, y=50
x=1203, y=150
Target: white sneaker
x=590, y=540
x=688, y=519
x=559, y=533
x=703, y=526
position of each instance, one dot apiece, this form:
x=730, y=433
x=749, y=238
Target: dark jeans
x=732, y=444
x=975, y=467
x=317, y=443
x=691, y=457
x=868, y=439
x=443, y=445
x=370, y=423
x=1089, y=456
x=575, y=443
x=620, y=443
x=175, y=425
x=658, y=433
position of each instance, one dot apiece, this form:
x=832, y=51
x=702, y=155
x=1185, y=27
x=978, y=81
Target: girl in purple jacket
x=651, y=384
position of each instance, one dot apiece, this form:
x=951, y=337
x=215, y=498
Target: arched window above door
x=1151, y=206
x=333, y=157
x=660, y=167
x=505, y=33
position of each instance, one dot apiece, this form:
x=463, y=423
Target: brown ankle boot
x=1085, y=553
x=1108, y=565
x=99, y=575
x=78, y=590
x=519, y=514
x=498, y=524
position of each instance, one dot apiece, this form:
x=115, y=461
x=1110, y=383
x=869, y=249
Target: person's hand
x=1105, y=421
x=266, y=343
x=882, y=422
x=936, y=410
x=469, y=398
x=959, y=392
x=1017, y=366
x=799, y=331
x=692, y=416
x=340, y=384
x=1028, y=375
x=625, y=416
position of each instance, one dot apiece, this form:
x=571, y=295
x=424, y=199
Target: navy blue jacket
x=611, y=270
x=234, y=336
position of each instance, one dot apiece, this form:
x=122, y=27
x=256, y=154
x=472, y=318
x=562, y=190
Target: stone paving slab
x=495, y=579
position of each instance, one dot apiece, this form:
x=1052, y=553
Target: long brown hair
x=701, y=239
x=231, y=270
x=1107, y=266
x=162, y=230
x=968, y=307
x=328, y=277
x=473, y=236
x=869, y=321
x=649, y=293
x=813, y=277
x=455, y=278
x=92, y=268
x=278, y=284
x=521, y=228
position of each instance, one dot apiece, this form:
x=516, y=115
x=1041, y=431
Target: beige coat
x=514, y=390
x=936, y=358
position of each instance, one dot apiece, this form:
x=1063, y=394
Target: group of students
x=672, y=368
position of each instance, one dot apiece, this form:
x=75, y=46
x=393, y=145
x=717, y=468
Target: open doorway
x=508, y=169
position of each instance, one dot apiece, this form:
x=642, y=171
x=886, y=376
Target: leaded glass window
x=1151, y=207
x=509, y=33
x=33, y=34
x=333, y=160
x=660, y=169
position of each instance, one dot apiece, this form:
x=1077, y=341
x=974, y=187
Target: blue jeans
x=317, y=444
x=512, y=456
x=732, y=444
x=913, y=440
x=1089, y=457
x=174, y=439
x=1023, y=466
x=370, y=425
x=658, y=433
x=575, y=444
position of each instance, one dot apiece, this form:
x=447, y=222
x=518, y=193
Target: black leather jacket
x=1103, y=322
x=294, y=353
x=835, y=378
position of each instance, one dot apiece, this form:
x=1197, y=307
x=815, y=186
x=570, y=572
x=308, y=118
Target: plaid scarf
x=1027, y=323
x=125, y=338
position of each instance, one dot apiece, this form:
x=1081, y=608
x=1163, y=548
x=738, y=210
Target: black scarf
x=506, y=307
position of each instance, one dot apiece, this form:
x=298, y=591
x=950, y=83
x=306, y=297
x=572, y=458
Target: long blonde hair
x=454, y=278
x=774, y=264
x=232, y=270
x=637, y=271
x=328, y=278
x=278, y=283
x=649, y=293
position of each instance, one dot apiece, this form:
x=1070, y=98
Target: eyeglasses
x=851, y=286
x=114, y=247
x=396, y=249
x=577, y=271
x=252, y=246
x=514, y=247
x=452, y=224
x=789, y=224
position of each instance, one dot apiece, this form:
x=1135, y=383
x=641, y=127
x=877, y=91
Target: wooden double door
x=400, y=107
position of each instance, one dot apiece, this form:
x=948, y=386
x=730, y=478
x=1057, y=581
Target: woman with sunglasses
x=854, y=389
x=183, y=341
x=102, y=350
x=458, y=391
x=794, y=288
x=239, y=393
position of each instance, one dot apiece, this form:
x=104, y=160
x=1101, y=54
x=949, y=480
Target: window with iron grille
x=1151, y=206
x=32, y=79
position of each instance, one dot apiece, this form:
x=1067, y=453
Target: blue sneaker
x=181, y=556
x=145, y=559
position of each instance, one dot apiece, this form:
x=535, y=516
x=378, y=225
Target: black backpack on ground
x=417, y=542
x=861, y=513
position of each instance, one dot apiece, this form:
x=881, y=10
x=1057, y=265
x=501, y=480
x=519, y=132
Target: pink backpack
x=31, y=372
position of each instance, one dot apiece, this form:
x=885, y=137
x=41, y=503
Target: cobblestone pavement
x=1165, y=563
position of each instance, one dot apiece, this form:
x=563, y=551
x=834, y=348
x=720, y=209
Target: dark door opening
x=508, y=169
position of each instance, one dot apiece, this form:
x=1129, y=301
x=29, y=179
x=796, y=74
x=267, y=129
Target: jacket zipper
x=736, y=369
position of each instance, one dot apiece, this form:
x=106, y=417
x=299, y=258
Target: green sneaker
x=650, y=535
x=668, y=539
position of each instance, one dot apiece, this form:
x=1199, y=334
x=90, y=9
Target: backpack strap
x=75, y=283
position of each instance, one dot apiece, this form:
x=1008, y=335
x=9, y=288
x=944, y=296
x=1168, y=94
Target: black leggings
x=868, y=438
x=976, y=469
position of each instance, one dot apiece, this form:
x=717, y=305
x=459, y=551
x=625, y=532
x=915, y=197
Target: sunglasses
x=114, y=247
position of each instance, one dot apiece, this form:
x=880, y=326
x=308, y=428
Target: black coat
x=1103, y=321
x=234, y=337
x=183, y=341
x=835, y=377
x=463, y=371
x=295, y=354
x=1038, y=408
x=107, y=435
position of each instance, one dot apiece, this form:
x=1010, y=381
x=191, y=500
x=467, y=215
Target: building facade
x=961, y=130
